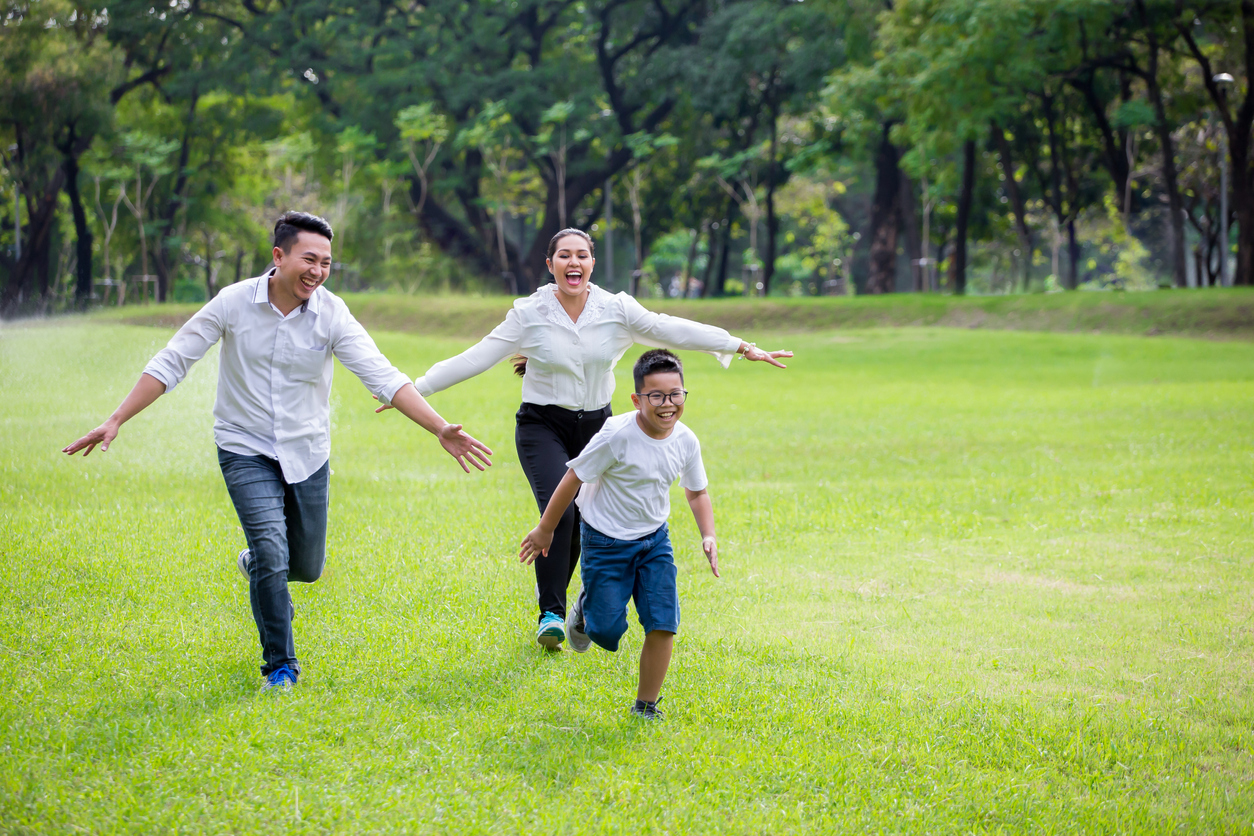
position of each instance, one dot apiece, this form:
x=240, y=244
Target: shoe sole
x=552, y=641
x=578, y=640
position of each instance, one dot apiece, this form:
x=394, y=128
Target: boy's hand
x=536, y=543
x=382, y=408
x=710, y=546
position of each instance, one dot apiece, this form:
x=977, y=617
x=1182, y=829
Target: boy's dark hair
x=290, y=225
x=655, y=361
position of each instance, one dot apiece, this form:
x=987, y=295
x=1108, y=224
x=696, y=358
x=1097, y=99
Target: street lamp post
x=1222, y=80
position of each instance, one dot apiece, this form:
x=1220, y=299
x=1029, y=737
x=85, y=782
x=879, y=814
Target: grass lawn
x=972, y=580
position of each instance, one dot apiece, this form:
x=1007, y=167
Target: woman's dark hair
x=656, y=361
x=520, y=362
x=579, y=232
x=290, y=225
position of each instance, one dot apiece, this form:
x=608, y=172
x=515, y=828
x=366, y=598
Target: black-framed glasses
x=659, y=398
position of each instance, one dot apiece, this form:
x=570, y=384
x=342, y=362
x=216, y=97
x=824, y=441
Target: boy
x=626, y=472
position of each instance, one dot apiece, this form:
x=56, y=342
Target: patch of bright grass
x=972, y=581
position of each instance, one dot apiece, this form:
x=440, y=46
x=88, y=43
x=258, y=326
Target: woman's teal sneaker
x=551, y=632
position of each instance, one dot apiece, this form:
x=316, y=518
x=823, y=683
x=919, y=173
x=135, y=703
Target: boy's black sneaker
x=648, y=710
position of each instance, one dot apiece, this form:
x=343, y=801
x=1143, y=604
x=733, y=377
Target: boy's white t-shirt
x=627, y=476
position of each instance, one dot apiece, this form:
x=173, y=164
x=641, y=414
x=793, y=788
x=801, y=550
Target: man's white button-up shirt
x=571, y=364
x=274, y=371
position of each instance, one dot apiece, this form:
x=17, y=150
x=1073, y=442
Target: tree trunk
x=1073, y=257
x=720, y=281
x=82, y=232
x=772, y=220
x=41, y=214
x=711, y=246
x=1114, y=157
x=1016, y=202
x=958, y=264
x=692, y=257
x=1175, y=206
x=885, y=217
x=1238, y=129
x=910, y=223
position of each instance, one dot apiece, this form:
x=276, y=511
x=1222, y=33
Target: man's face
x=305, y=265
x=660, y=418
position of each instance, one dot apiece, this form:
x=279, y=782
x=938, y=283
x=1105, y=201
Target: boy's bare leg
x=655, y=658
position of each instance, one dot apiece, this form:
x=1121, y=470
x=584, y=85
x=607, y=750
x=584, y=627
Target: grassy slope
x=973, y=580
x=1211, y=313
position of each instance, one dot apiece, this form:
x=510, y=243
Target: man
x=280, y=333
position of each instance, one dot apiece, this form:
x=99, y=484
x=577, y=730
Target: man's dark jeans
x=286, y=529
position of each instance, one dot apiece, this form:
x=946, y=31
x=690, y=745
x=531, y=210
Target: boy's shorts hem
x=616, y=571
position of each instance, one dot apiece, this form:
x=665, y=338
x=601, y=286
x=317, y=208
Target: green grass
x=972, y=581
x=1212, y=313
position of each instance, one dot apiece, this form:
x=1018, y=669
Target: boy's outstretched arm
x=458, y=444
x=703, y=513
x=145, y=391
x=537, y=542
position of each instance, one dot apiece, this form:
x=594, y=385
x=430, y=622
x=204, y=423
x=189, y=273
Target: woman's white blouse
x=571, y=364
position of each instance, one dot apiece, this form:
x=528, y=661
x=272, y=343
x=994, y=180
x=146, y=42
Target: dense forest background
x=713, y=147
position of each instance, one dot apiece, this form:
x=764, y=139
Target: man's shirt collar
x=261, y=294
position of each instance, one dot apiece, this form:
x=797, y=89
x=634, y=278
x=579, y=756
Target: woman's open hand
x=752, y=352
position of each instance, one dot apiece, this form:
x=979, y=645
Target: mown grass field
x=972, y=581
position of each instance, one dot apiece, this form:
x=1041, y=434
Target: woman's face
x=571, y=265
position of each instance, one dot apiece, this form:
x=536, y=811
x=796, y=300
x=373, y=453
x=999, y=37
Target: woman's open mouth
x=574, y=279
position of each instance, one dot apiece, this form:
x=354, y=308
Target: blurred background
x=712, y=147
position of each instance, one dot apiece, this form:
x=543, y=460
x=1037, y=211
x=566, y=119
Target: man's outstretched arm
x=459, y=445
x=145, y=391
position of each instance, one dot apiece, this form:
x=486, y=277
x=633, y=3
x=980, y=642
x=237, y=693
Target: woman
x=566, y=338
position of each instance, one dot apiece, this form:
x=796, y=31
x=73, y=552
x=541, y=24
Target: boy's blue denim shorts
x=614, y=571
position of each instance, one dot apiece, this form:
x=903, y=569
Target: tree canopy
x=762, y=147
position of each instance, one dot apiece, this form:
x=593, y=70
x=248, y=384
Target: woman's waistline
x=553, y=412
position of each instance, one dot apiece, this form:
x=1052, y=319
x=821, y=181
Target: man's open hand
x=464, y=448
x=102, y=435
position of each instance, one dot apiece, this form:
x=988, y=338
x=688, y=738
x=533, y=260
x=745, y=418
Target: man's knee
x=304, y=574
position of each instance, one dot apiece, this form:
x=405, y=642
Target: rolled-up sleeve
x=357, y=351
x=663, y=331
x=189, y=344
x=503, y=342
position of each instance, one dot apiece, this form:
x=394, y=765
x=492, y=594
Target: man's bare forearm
x=146, y=390
x=415, y=407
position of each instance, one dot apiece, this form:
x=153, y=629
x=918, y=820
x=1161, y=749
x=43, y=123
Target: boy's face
x=658, y=420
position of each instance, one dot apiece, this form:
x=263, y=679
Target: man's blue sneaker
x=242, y=562
x=551, y=633
x=579, y=641
x=280, y=681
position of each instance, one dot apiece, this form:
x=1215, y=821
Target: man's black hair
x=656, y=361
x=290, y=225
